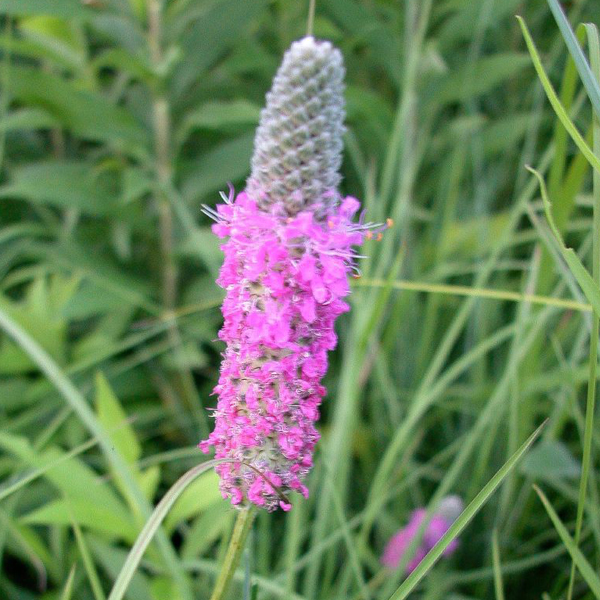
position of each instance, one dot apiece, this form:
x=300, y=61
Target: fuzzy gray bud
x=298, y=144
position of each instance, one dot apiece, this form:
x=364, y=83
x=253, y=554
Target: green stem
x=594, y=47
x=241, y=529
x=311, y=18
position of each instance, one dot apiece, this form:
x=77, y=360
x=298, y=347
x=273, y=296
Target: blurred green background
x=118, y=119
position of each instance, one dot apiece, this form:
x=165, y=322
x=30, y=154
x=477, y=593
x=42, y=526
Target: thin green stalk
x=498, y=585
x=311, y=18
x=163, y=165
x=462, y=290
x=241, y=529
x=594, y=44
x=152, y=528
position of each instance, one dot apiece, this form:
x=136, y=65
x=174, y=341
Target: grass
x=470, y=325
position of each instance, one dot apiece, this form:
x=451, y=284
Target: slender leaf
x=586, y=570
x=584, y=279
x=463, y=520
x=560, y=111
x=590, y=81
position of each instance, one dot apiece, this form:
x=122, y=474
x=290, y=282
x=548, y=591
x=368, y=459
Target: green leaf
x=59, y=8
x=205, y=40
x=149, y=481
x=559, y=109
x=114, y=419
x=584, y=279
x=105, y=272
x=94, y=516
x=586, y=570
x=199, y=496
x=480, y=76
x=211, y=171
x=40, y=314
x=550, y=459
x=162, y=587
x=90, y=300
x=120, y=59
x=72, y=476
x=27, y=118
x=590, y=82
x=86, y=114
x=505, y=133
x=223, y=114
x=219, y=116
x=65, y=184
x=214, y=523
x=112, y=559
x=88, y=563
x=68, y=589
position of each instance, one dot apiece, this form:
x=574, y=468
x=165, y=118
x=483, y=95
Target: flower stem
x=241, y=529
x=311, y=17
x=161, y=118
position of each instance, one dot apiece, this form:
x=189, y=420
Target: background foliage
x=118, y=119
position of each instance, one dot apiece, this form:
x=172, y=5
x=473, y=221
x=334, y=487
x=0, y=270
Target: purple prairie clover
x=396, y=549
x=289, y=251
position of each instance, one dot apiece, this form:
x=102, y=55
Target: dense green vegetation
x=469, y=327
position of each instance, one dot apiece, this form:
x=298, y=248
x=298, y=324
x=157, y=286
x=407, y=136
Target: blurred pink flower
x=449, y=509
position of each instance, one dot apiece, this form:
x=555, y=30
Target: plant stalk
x=587, y=460
x=311, y=18
x=241, y=529
x=164, y=170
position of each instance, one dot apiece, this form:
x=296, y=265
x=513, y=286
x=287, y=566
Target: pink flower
x=396, y=549
x=288, y=254
x=285, y=277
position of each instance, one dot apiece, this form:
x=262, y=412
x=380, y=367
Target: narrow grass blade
x=26, y=479
x=457, y=527
x=88, y=563
x=151, y=527
x=485, y=293
x=589, y=287
x=68, y=589
x=498, y=584
x=559, y=109
x=594, y=48
x=78, y=403
x=583, y=565
x=585, y=72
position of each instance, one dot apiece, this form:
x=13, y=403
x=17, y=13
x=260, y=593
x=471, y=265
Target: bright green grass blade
x=351, y=545
x=68, y=589
x=594, y=46
x=79, y=405
x=485, y=293
x=151, y=527
x=589, y=287
x=583, y=565
x=498, y=585
x=585, y=72
x=559, y=109
x=457, y=527
x=17, y=485
x=88, y=563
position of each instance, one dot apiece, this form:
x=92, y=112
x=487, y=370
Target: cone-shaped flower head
x=287, y=260
x=298, y=144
